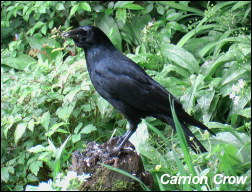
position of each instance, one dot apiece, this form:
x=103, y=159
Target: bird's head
x=88, y=36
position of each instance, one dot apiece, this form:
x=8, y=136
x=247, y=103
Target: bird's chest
x=102, y=78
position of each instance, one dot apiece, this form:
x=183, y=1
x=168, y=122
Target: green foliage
x=199, y=52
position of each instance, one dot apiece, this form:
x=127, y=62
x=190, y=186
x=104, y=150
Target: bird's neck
x=95, y=53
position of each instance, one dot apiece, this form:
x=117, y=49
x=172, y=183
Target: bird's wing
x=129, y=83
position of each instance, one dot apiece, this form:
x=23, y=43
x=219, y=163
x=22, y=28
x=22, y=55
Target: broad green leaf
x=32, y=178
x=88, y=129
x=35, y=43
x=20, y=129
x=108, y=25
x=76, y=129
x=20, y=62
x=38, y=25
x=37, y=149
x=173, y=16
x=180, y=56
x=245, y=112
x=160, y=9
x=85, y=6
x=44, y=29
x=35, y=166
x=71, y=95
x=189, y=98
x=54, y=129
x=73, y=10
x=64, y=112
x=5, y=174
x=184, y=8
x=50, y=25
x=133, y=7
x=60, y=7
x=45, y=120
x=76, y=138
x=120, y=4
x=196, y=31
x=233, y=73
x=31, y=125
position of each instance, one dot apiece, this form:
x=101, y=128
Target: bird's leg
x=125, y=139
x=122, y=141
x=122, y=137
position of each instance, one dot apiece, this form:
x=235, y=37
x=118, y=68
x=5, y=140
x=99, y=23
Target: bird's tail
x=192, y=141
x=190, y=120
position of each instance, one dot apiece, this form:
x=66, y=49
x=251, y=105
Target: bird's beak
x=73, y=34
x=68, y=35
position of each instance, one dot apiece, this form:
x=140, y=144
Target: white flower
x=241, y=83
x=232, y=95
x=84, y=176
x=236, y=100
x=43, y=186
x=235, y=89
x=66, y=181
x=150, y=24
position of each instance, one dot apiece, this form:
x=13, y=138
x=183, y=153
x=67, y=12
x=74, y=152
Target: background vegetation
x=199, y=51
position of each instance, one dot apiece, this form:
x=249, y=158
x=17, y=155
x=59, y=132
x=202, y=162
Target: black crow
x=127, y=87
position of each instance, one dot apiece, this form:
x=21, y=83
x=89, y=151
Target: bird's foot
x=117, y=151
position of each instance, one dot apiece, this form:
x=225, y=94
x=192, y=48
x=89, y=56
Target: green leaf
x=233, y=73
x=37, y=149
x=64, y=112
x=85, y=6
x=160, y=9
x=50, y=25
x=44, y=29
x=20, y=62
x=133, y=7
x=245, y=112
x=189, y=98
x=173, y=16
x=60, y=7
x=35, y=43
x=45, y=120
x=71, y=95
x=76, y=129
x=20, y=129
x=107, y=24
x=35, y=166
x=32, y=178
x=240, y=4
x=31, y=125
x=58, y=155
x=196, y=31
x=38, y=25
x=120, y=4
x=76, y=138
x=54, y=129
x=5, y=174
x=88, y=129
x=180, y=6
x=180, y=56
x=73, y=10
